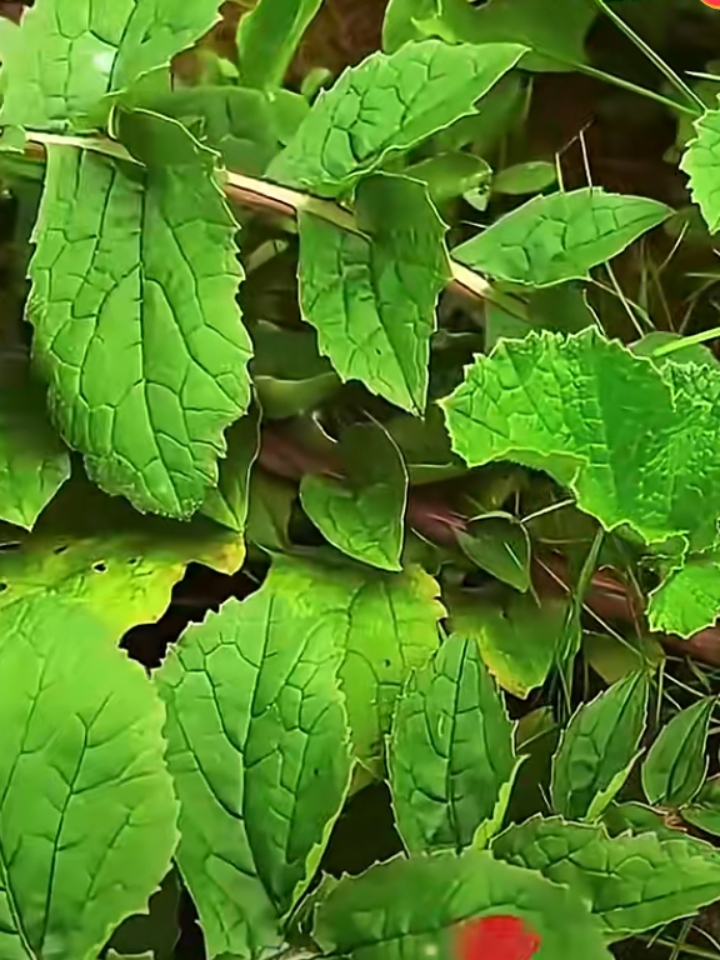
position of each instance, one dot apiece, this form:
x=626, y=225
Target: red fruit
x=496, y=938
x=715, y=4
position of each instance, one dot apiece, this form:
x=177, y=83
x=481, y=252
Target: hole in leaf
x=3, y=587
x=61, y=549
x=100, y=567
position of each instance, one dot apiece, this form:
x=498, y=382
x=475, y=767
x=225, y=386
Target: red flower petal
x=496, y=938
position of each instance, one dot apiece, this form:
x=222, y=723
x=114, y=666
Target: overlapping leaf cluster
x=394, y=476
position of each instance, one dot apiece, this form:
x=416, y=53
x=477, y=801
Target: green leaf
x=289, y=375
x=613, y=658
x=100, y=552
x=530, y=177
x=704, y=811
x=67, y=57
x=675, y=767
x=536, y=738
x=34, y=464
x=385, y=624
x=371, y=295
x=136, y=325
x=563, y=308
x=268, y=37
x=518, y=639
x=700, y=163
x=227, y=503
x=245, y=126
x=425, y=447
x=385, y=107
x=400, y=22
x=450, y=175
x=631, y=883
x=270, y=507
x=619, y=818
x=412, y=908
x=599, y=748
x=690, y=353
x=688, y=599
x=87, y=811
x=500, y=545
x=557, y=45
x=641, y=454
x=452, y=760
x=364, y=516
x=258, y=748
x=560, y=237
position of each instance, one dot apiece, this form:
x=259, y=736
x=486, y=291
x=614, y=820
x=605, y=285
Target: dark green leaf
x=259, y=750
x=704, y=811
x=450, y=175
x=409, y=908
x=631, y=883
x=500, y=545
x=452, y=760
x=371, y=296
x=598, y=749
x=362, y=515
x=268, y=37
x=675, y=767
x=227, y=503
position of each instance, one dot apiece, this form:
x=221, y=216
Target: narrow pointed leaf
x=642, y=453
x=363, y=515
x=675, y=767
x=452, y=759
x=598, y=749
x=136, y=326
x=429, y=905
x=267, y=39
x=501, y=546
x=704, y=811
x=561, y=237
x=260, y=755
x=66, y=57
x=632, y=883
x=371, y=296
x=386, y=625
x=385, y=107
x=34, y=463
x=88, y=814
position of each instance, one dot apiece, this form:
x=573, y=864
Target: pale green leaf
x=518, y=639
x=227, y=503
x=99, y=551
x=704, y=811
x=557, y=42
x=529, y=177
x=258, y=748
x=417, y=907
x=386, y=625
x=68, y=56
x=631, y=883
x=598, y=749
x=500, y=545
x=385, y=107
x=363, y=515
x=450, y=175
x=452, y=758
x=643, y=452
x=87, y=815
x=268, y=37
x=34, y=463
x=136, y=325
x=114, y=955
x=371, y=295
x=675, y=767
x=700, y=162
x=688, y=599
x=560, y=237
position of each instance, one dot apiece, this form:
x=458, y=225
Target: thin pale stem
x=263, y=195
